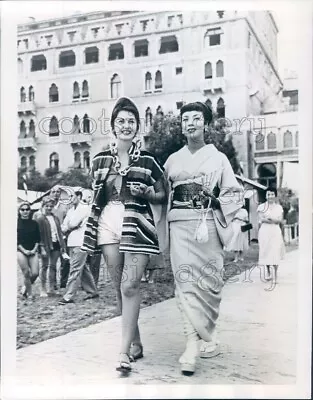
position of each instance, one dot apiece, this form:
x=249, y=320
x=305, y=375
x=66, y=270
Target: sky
x=288, y=20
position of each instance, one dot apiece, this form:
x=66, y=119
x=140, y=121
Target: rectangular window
x=179, y=70
x=215, y=40
x=141, y=48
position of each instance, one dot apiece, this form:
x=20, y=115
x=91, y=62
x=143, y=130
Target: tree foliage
x=166, y=138
x=41, y=183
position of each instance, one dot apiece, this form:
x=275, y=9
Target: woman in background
x=28, y=239
x=240, y=240
x=271, y=243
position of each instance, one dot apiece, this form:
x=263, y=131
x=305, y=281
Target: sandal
x=124, y=363
x=136, y=351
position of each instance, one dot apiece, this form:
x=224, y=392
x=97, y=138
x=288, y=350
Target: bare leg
x=34, y=267
x=151, y=275
x=134, y=268
x=115, y=263
x=236, y=256
x=43, y=274
x=23, y=264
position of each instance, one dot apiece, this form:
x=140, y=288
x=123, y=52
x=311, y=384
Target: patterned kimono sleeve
x=231, y=192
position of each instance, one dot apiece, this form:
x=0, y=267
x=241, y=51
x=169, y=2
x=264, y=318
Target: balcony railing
x=219, y=84
x=207, y=85
x=79, y=138
x=27, y=107
x=30, y=142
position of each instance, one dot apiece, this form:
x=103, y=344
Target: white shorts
x=110, y=223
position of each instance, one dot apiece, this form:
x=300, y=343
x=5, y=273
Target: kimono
x=271, y=243
x=198, y=267
x=139, y=234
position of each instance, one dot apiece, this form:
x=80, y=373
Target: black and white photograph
x=156, y=239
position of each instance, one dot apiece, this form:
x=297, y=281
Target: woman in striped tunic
x=126, y=181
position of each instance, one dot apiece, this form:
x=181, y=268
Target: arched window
x=76, y=125
x=115, y=86
x=20, y=66
x=148, y=118
x=32, y=163
x=219, y=69
x=53, y=127
x=54, y=161
x=287, y=139
x=91, y=55
x=53, y=93
x=67, y=58
x=77, y=160
x=259, y=141
x=158, y=80
x=22, y=129
x=208, y=70
x=85, y=91
x=86, y=124
x=31, y=94
x=148, y=81
x=267, y=174
x=22, y=95
x=297, y=139
x=31, y=128
x=23, y=162
x=271, y=141
x=76, y=93
x=38, y=63
x=86, y=159
x=220, y=109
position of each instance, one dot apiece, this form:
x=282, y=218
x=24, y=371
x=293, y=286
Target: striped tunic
x=139, y=234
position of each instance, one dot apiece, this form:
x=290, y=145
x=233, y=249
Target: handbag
x=246, y=227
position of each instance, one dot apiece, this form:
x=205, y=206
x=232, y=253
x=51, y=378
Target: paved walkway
x=257, y=329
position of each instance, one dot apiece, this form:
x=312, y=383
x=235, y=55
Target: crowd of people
x=189, y=206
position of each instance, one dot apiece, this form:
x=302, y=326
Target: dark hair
x=198, y=106
x=271, y=189
x=124, y=104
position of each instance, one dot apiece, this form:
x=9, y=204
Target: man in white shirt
x=74, y=226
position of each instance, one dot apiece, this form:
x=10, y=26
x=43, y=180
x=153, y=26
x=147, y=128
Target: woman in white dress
x=240, y=240
x=271, y=243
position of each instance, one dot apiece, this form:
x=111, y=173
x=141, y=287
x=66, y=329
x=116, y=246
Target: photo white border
x=8, y=216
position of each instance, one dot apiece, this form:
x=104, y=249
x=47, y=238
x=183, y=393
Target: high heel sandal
x=136, y=351
x=124, y=363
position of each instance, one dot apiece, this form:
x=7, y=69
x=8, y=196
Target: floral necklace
x=134, y=152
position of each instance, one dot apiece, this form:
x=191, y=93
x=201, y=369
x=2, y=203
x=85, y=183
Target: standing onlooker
x=74, y=226
x=51, y=246
x=271, y=243
x=240, y=240
x=60, y=209
x=28, y=239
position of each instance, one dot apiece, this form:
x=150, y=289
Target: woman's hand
x=141, y=190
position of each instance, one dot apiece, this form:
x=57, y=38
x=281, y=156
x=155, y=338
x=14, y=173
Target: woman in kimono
x=126, y=180
x=271, y=243
x=240, y=240
x=204, y=197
